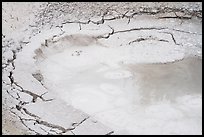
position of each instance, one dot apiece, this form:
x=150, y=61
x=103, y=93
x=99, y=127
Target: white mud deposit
x=129, y=72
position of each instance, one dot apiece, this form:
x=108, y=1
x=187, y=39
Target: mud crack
x=172, y=36
x=148, y=38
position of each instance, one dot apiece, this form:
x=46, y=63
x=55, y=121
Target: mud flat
x=109, y=68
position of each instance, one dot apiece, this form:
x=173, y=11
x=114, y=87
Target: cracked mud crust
x=114, y=39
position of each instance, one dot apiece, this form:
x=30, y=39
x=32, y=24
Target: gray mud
x=168, y=81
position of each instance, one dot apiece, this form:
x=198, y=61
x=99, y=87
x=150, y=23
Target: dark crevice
x=17, y=98
x=35, y=96
x=142, y=28
x=149, y=38
x=128, y=21
x=106, y=36
x=11, y=77
x=30, y=114
x=22, y=121
x=137, y=40
x=170, y=17
x=110, y=133
x=50, y=125
x=21, y=104
x=82, y=121
x=75, y=125
x=172, y=36
x=47, y=124
x=176, y=17
x=185, y=31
